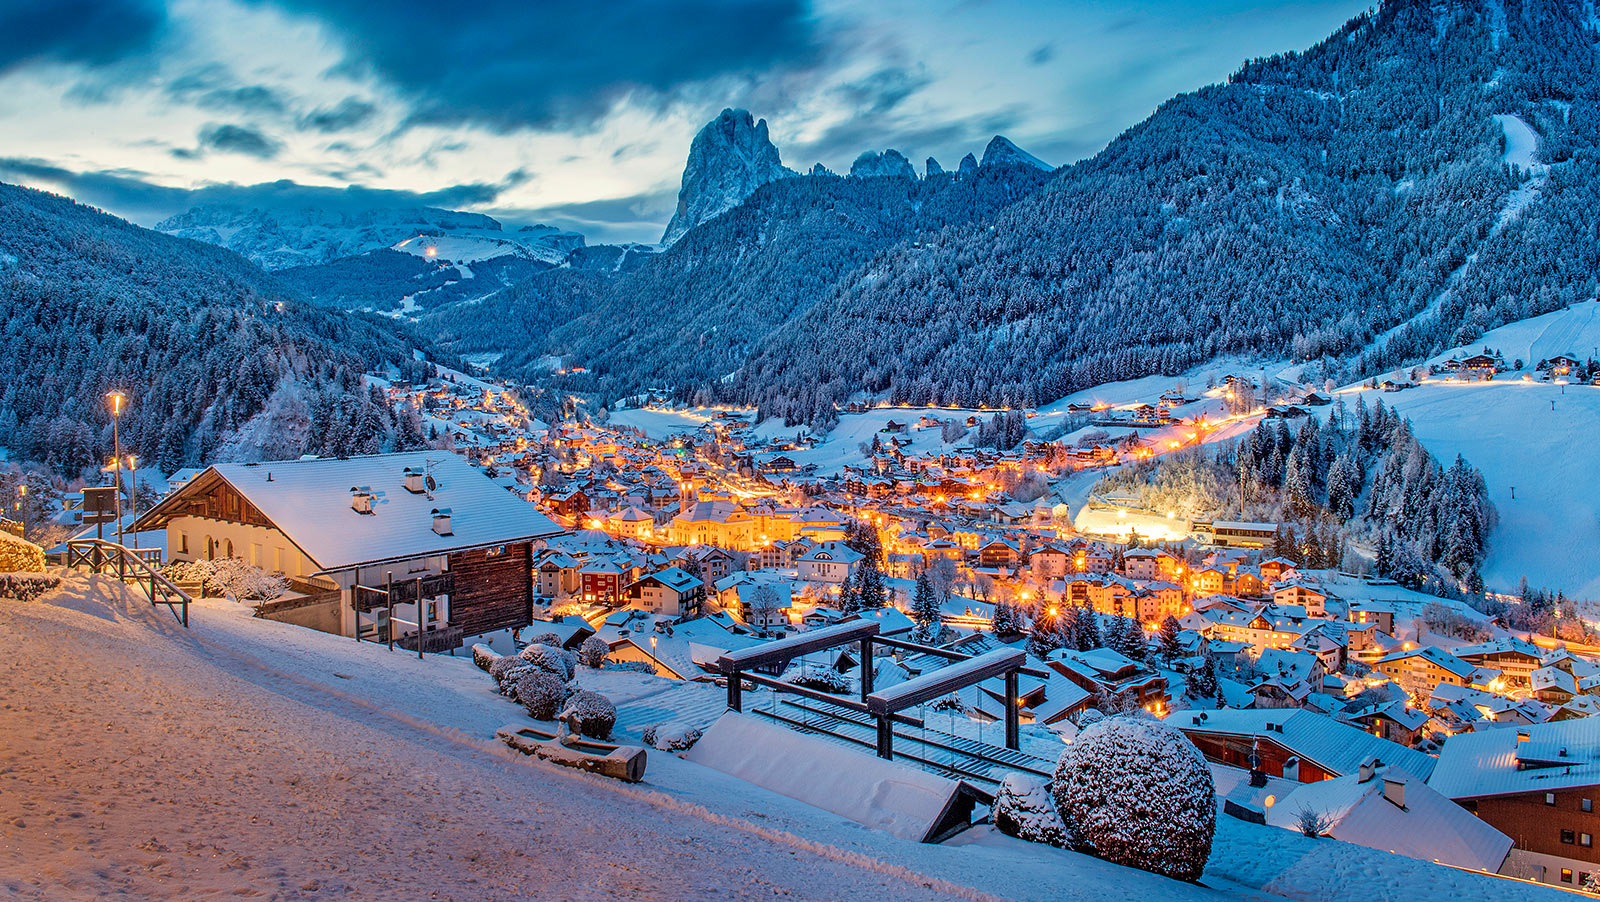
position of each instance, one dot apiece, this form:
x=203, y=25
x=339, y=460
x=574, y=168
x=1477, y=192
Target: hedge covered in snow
x=1136, y=792
x=672, y=736
x=824, y=680
x=542, y=693
x=1023, y=808
x=506, y=670
x=590, y=713
x=26, y=586
x=229, y=576
x=484, y=656
x=18, y=555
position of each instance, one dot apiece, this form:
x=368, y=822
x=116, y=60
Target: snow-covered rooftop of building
x=1524, y=759
x=310, y=502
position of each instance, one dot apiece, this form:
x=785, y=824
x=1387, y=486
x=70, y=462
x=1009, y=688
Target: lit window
x=1549, y=798
x=1566, y=875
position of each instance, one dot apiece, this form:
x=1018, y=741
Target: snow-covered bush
x=635, y=667
x=590, y=713
x=18, y=555
x=546, y=639
x=1312, y=822
x=484, y=656
x=1136, y=792
x=229, y=575
x=824, y=680
x=551, y=659
x=672, y=736
x=1023, y=808
x=542, y=693
x=26, y=586
x=506, y=670
x=593, y=651
x=1089, y=716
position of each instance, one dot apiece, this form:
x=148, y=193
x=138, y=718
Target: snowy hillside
x=336, y=768
x=280, y=238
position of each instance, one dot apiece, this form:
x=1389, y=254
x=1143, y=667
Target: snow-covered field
x=660, y=424
x=1546, y=456
x=247, y=757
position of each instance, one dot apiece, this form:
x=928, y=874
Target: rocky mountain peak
x=1004, y=153
x=729, y=159
x=890, y=163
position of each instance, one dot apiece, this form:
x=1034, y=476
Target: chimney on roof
x=415, y=481
x=441, y=521
x=361, y=499
x=1395, y=791
x=1369, y=767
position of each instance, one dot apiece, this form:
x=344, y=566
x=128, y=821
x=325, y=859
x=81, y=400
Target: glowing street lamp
x=118, y=401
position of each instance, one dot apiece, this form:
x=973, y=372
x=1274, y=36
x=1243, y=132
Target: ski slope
x=1546, y=457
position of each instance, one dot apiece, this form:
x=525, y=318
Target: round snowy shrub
x=546, y=639
x=1023, y=808
x=590, y=713
x=672, y=736
x=483, y=656
x=635, y=667
x=550, y=659
x=541, y=693
x=593, y=651
x=506, y=670
x=1137, y=793
x=1090, y=716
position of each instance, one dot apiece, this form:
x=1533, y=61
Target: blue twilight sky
x=578, y=114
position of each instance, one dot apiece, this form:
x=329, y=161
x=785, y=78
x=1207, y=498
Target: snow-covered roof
x=1508, y=761
x=310, y=502
x=1335, y=747
x=1429, y=826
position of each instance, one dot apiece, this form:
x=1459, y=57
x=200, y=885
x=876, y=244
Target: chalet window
x=1549, y=798
x=1588, y=804
x=1586, y=840
x=183, y=542
x=494, y=551
x=1566, y=875
x=1568, y=837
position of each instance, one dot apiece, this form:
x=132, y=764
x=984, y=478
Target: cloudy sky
x=578, y=114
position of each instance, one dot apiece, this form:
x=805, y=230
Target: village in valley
x=807, y=577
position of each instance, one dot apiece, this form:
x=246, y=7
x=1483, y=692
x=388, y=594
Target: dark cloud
x=229, y=138
x=129, y=194
x=83, y=32
x=351, y=112
x=1042, y=54
x=510, y=64
x=883, y=90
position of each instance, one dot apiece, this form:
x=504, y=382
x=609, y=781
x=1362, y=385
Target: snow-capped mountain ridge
x=301, y=236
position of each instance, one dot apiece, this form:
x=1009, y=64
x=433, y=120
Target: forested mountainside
x=689, y=315
x=387, y=280
x=201, y=340
x=1427, y=173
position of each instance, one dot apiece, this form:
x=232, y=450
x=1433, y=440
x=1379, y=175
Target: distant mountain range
x=278, y=238
x=219, y=359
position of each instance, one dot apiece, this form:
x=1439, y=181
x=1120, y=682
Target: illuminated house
x=427, y=521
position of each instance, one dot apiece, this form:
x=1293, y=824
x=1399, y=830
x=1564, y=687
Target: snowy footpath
x=246, y=758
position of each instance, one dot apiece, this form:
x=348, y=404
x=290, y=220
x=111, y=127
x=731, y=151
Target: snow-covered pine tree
x=1167, y=642
x=925, y=612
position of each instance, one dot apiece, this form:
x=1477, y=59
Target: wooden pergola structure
x=884, y=707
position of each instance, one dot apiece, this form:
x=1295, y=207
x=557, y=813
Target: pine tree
x=1203, y=682
x=1043, y=636
x=849, y=601
x=1167, y=642
x=925, y=611
x=1088, y=624
x=870, y=592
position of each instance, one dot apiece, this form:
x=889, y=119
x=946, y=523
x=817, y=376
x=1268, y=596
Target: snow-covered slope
x=730, y=158
x=248, y=757
x=300, y=236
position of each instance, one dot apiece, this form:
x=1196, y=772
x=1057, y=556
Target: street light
x=133, y=493
x=118, y=401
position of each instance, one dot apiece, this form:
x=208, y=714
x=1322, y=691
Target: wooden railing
x=130, y=566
